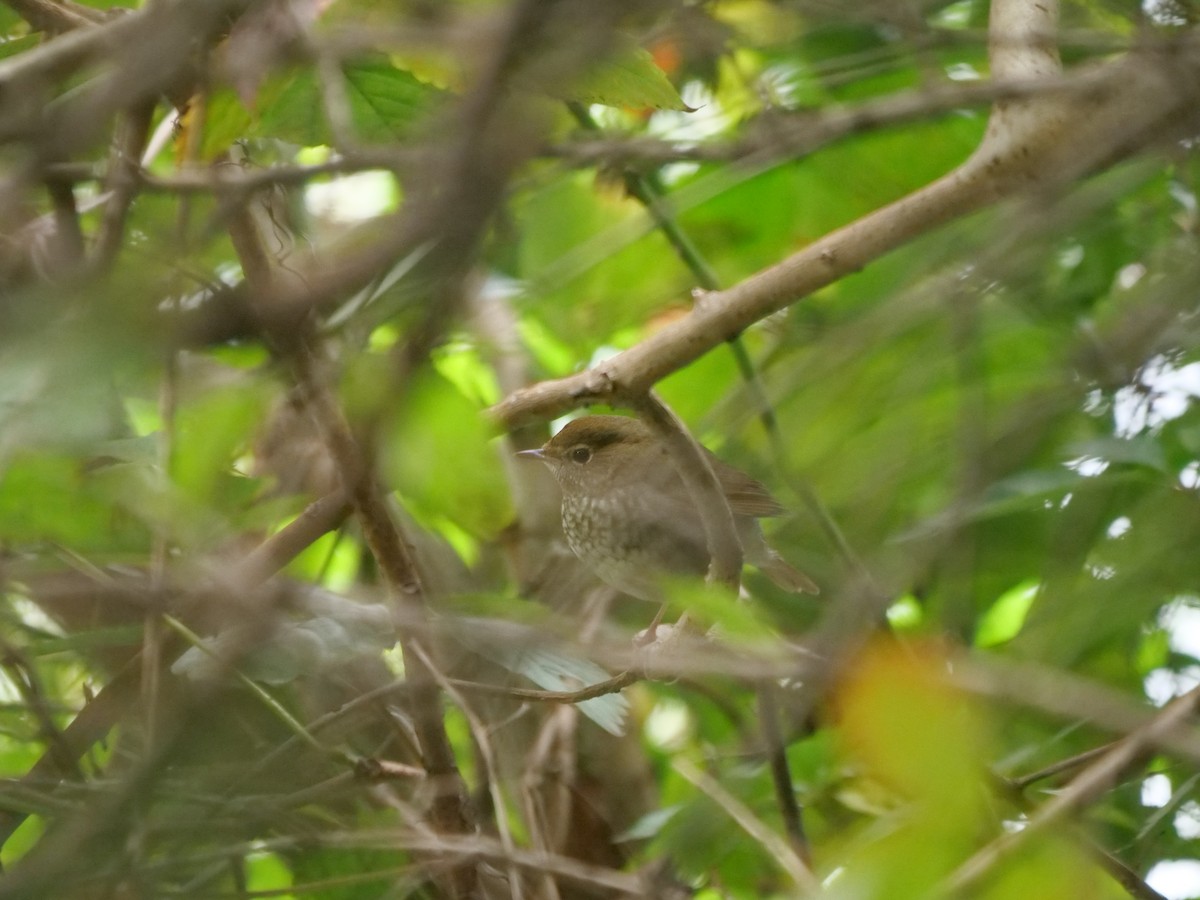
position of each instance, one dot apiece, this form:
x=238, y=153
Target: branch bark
x=55, y=17
x=1033, y=145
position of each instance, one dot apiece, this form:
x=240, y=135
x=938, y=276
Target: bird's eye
x=580, y=455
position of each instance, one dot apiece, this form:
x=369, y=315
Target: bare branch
x=792, y=135
x=55, y=16
x=591, y=692
x=319, y=518
x=1057, y=768
x=395, y=557
x=792, y=865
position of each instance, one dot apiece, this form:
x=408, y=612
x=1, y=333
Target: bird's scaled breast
x=620, y=539
x=605, y=534
x=590, y=524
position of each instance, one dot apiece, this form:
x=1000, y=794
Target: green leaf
x=628, y=78
x=734, y=619
x=1018, y=492
x=1143, y=450
x=52, y=498
x=347, y=873
x=267, y=872
x=384, y=103
x=13, y=46
x=210, y=434
x=56, y=394
x=22, y=840
x=649, y=825
x=1004, y=619
x=448, y=471
x=462, y=365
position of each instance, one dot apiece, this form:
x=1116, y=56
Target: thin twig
x=102, y=712
x=1067, y=696
x=25, y=677
x=394, y=556
x=278, y=709
x=1125, y=876
x=781, y=773
x=121, y=182
x=591, y=692
x=795, y=867
x=1057, y=768
x=460, y=849
x=1083, y=790
x=68, y=254
x=793, y=135
x=549, y=774
x=387, y=544
x=492, y=772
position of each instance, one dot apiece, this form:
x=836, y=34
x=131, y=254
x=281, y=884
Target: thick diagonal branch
x=1034, y=144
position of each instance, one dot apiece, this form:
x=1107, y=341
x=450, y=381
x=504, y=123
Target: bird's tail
x=786, y=575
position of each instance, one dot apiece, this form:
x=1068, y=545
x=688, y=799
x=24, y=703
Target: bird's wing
x=666, y=524
x=747, y=496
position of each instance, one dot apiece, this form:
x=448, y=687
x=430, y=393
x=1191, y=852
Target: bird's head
x=597, y=452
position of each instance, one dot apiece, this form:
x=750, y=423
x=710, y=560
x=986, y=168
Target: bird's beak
x=533, y=454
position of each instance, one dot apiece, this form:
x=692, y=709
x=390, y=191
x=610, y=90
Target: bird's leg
x=649, y=634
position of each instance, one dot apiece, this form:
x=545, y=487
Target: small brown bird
x=628, y=515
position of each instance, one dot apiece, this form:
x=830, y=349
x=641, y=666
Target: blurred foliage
x=999, y=418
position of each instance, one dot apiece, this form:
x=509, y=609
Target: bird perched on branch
x=628, y=515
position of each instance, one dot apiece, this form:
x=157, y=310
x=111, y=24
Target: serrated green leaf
x=385, y=102
x=628, y=78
